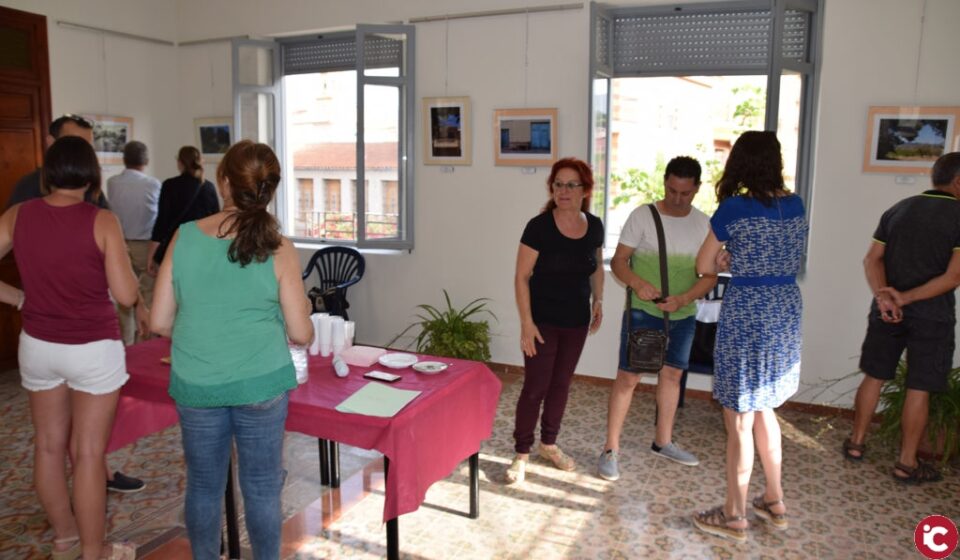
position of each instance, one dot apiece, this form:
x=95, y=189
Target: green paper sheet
x=377, y=399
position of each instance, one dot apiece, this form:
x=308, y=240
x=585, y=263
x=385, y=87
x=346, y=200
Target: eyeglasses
x=557, y=185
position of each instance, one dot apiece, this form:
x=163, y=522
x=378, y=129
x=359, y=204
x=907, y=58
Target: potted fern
x=456, y=333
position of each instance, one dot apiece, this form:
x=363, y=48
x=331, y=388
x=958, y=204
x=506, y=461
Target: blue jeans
x=207, y=435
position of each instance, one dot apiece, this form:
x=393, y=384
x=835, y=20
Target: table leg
x=334, y=454
x=233, y=532
x=324, y=462
x=393, y=525
x=475, y=485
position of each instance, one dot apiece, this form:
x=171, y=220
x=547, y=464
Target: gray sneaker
x=675, y=453
x=608, y=467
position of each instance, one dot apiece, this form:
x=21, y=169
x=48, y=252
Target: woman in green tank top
x=229, y=294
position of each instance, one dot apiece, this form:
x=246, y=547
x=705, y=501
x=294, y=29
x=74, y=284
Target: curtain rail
x=507, y=12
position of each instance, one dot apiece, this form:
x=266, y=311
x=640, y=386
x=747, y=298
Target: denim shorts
x=678, y=347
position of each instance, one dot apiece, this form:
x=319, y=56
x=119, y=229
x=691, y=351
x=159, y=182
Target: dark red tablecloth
x=425, y=441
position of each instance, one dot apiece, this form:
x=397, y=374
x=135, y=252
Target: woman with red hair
x=559, y=288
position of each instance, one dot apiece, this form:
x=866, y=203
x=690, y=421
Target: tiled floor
x=837, y=509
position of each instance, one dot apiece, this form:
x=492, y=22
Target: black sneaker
x=125, y=484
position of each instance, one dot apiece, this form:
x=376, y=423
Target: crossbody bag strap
x=664, y=281
x=662, y=249
x=176, y=223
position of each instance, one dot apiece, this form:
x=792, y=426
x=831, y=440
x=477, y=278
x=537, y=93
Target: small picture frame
x=110, y=135
x=525, y=137
x=214, y=136
x=908, y=140
x=446, y=131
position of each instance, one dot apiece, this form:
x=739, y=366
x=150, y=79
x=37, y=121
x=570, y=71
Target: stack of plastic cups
x=324, y=334
x=349, y=328
x=337, y=337
x=298, y=354
x=315, y=344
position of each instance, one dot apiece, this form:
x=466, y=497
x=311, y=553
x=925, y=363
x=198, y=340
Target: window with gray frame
x=339, y=109
x=775, y=43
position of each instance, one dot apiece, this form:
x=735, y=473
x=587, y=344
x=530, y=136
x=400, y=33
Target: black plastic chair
x=338, y=268
x=704, y=339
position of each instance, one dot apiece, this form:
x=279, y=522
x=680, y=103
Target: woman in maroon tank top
x=72, y=258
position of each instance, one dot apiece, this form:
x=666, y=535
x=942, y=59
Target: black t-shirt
x=560, y=284
x=920, y=234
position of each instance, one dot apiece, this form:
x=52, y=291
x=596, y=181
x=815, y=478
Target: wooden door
x=24, y=118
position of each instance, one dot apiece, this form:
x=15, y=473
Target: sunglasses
x=82, y=121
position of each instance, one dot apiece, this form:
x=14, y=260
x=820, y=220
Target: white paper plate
x=429, y=367
x=397, y=360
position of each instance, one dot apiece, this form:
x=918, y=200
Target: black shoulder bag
x=162, y=249
x=647, y=348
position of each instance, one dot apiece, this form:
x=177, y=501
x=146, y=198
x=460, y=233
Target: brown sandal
x=849, y=446
x=715, y=522
x=923, y=472
x=764, y=510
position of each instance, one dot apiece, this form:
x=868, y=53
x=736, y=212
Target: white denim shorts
x=97, y=367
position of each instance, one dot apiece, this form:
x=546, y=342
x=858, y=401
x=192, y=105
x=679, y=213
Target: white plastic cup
x=349, y=328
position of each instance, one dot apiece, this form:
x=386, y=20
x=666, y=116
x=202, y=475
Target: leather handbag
x=647, y=348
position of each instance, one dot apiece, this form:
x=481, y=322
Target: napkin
x=362, y=356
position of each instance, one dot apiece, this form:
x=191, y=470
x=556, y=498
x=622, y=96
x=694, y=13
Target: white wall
x=91, y=72
x=871, y=49
x=468, y=223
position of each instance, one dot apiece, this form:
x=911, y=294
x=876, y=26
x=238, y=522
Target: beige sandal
x=71, y=553
x=764, y=510
x=517, y=471
x=119, y=551
x=715, y=522
x=559, y=459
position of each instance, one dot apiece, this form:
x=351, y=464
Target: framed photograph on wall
x=908, y=140
x=525, y=137
x=446, y=131
x=110, y=135
x=214, y=136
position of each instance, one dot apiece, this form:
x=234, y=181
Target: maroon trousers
x=547, y=381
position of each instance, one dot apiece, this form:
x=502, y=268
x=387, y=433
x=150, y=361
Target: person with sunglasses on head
x=29, y=186
x=637, y=262
x=559, y=291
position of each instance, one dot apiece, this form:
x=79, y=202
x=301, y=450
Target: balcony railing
x=337, y=225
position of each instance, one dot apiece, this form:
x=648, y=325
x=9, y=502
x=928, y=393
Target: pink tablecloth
x=424, y=442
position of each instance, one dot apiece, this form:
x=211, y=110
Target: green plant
x=943, y=424
x=450, y=332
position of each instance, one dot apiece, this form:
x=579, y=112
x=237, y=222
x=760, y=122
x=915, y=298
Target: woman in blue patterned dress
x=757, y=355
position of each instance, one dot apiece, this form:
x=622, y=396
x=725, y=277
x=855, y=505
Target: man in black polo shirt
x=912, y=267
